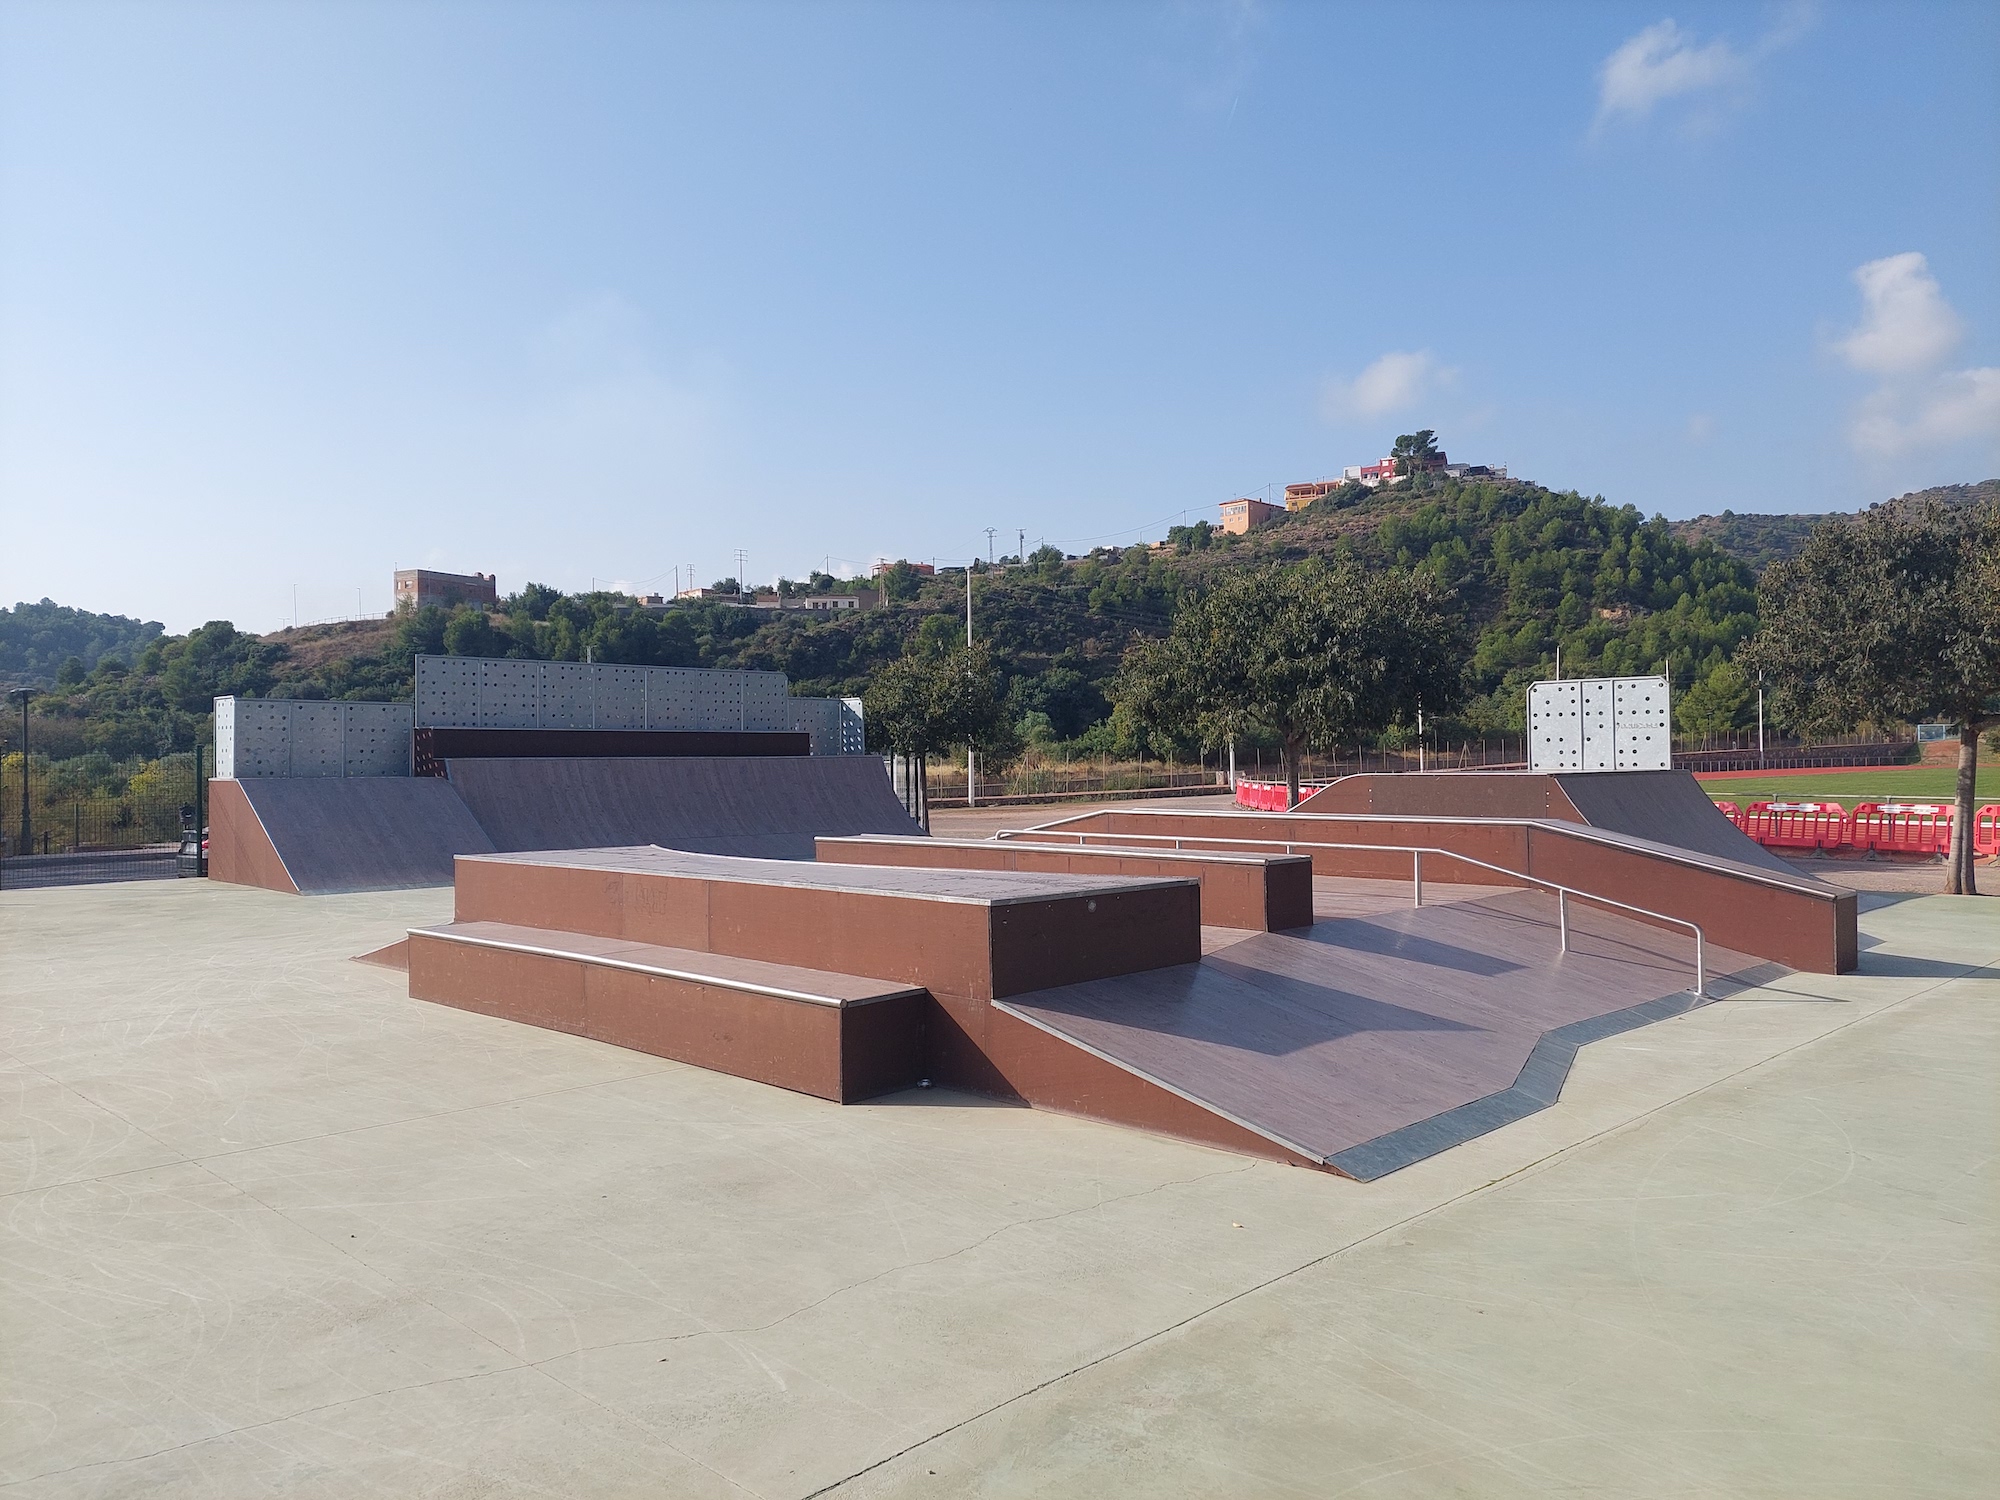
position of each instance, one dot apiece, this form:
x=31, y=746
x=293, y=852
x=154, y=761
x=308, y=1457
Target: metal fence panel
x=568, y=696
x=377, y=740
x=621, y=697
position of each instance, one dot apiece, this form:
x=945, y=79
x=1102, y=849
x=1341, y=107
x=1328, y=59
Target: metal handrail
x=1417, y=853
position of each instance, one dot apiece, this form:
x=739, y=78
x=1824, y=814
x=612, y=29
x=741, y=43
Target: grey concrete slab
x=1747, y=1252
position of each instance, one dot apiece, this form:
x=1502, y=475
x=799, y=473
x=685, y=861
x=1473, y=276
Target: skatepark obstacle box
x=1349, y=989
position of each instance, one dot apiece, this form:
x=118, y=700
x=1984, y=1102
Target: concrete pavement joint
x=1525, y=1170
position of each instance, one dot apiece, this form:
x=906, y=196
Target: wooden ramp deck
x=1372, y=1040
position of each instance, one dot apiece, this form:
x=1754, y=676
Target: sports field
x=1877, y=784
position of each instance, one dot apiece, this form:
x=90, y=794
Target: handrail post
x=1417, y=876
x=1700, y=968
x=1562, y=917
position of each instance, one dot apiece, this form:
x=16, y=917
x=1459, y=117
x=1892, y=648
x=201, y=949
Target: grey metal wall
x=260, y=737
x=283, y=737
x=460, y=692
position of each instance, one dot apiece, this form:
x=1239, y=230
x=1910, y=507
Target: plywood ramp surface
x=357, y=833
x=766, y=807
x=1360, y=1028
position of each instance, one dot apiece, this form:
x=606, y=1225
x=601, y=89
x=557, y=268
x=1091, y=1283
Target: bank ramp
x=760, y=808
x=1667, y=807
x=1368, y=1043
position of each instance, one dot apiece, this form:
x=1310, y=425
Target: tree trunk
x=1959, y=880
x=924, y=791
x=1291, y=752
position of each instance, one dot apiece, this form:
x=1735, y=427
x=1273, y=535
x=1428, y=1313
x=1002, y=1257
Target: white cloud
x=1905, y=322
x=1935, y=413
x=1395, y=382
x=1660, y=63
x=1907, y=332
x=1663, y=62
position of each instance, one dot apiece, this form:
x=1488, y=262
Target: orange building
x=1239, y=516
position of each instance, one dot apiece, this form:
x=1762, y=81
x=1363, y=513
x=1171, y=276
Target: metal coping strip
x=914, y=842
x=1137, y=1072
x=658, y=971
x=1583, y=831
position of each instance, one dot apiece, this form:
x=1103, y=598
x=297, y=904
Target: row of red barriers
x=1912, y=828
x=1265, y=796
x=1921, y=829
x=1915, y=828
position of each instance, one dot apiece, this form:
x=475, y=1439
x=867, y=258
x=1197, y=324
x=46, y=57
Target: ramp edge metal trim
x=660, y=971
x=1217, y=1110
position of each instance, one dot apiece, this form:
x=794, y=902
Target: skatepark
x=1498, y=1131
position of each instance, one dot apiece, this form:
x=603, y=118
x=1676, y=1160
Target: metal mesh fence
x=91, y=818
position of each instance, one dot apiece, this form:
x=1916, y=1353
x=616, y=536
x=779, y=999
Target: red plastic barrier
x=1986, y=832
x=1731, y=811
x=1797, y=825
x=1901, y=828
x=1261, y=796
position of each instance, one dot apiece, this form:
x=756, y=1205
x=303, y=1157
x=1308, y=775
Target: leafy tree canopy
x=1895, y=615
x=1314, y=654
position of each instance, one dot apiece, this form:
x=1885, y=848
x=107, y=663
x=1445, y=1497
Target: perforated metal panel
x=621, y=697
x=264, y=737
x=766, y=706
x=569, y=696
x=225, y=738
x=1644, y=737
x=818, y=718
x=316, y=737
x=510, y=694
x=448, y=691
x=462, y=693
x=1599, y=724
x=261, y=732
x=1555, y=726
x=377, y=740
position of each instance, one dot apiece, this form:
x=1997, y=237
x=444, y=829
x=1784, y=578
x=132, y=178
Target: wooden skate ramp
x=1368, y=1043
x=320, y=836
x=1666, y=807
x=760, y=807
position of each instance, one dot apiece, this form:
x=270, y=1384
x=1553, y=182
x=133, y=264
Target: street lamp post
x=27, y=828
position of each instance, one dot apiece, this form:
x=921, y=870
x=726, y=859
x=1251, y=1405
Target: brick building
x=420, y=588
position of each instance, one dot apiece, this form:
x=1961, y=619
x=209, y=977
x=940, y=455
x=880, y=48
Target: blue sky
x=293, y=295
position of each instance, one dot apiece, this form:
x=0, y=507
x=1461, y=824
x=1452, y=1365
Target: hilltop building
x=420, y=588
x=1242, y=515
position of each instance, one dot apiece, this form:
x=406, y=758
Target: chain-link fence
x=90, y=818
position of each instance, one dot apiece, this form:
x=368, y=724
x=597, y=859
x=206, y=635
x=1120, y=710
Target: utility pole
x=27, y=829
x=989, y=546
x=742, y=563
x=1021, y=544
x=1760, y=721
x=971, y=755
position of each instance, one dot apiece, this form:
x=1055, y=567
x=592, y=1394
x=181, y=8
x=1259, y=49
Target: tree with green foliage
x=900, y=581
x=1414, y=452
x=1891, y=615
x=931, y=700
x=1314, y=654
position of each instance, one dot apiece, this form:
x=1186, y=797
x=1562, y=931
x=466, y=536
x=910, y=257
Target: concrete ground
x=268, y=1227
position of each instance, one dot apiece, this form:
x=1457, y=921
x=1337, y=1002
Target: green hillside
x=1532, y=570
x=37, y=640
x=1760, y=540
